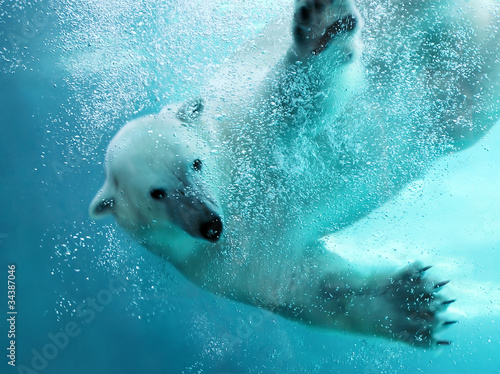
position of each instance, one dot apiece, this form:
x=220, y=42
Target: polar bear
x=238, y=189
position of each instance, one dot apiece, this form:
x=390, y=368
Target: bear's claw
x=443, y=342
x=425, y=268
x=441, y=284
x=448, y=302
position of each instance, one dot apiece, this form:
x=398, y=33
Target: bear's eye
x=197, y=164
x=158, y=193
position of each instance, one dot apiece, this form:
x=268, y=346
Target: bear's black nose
x=212, y=230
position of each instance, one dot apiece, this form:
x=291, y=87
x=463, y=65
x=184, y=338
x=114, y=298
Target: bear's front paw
x=317, y=22
x=416, y=305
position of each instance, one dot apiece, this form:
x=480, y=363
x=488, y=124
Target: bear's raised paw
x=318, y=22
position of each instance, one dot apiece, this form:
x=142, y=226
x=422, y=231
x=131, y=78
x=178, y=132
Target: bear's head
x=159, y=182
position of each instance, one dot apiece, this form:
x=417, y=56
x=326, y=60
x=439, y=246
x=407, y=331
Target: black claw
x=447, y=323
x=443, y=342
x=448, y=302
x=439, y=285
x=425, y=268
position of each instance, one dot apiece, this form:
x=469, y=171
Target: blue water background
x=72, y=73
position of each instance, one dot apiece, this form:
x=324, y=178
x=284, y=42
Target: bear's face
x=158, y=183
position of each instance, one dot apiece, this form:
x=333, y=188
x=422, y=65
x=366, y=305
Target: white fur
x=289, y=155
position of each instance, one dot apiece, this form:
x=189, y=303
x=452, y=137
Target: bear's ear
x=190, y=110
x=102, y=204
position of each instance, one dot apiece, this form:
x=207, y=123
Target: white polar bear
x=237, y=191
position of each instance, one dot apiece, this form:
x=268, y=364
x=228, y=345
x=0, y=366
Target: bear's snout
x=212, y=229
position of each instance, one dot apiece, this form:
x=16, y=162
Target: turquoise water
x=72, y=73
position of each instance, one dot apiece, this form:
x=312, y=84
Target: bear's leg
x=463, y=80
x=405, y=307
x=460, y=54
x=318, y=24
x=320, y=72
